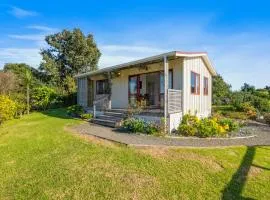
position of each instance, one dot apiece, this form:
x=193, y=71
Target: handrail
x=101, y=100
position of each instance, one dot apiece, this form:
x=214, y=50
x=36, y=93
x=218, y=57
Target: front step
x=104, y=122
x=111, y=118
x=114, y=114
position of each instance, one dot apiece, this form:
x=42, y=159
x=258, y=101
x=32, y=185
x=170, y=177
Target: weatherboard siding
x=196, y=104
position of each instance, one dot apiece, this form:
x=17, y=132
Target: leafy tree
x=28, y=78
x=221, y=90
x=42, y=97
x=69, y=53
x=248, y=88
x=19, y=70
x=268, y=89
x=7, y=82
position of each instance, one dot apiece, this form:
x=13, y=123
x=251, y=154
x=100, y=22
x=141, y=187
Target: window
x=205, y=86
x=195, y=83
x=102, y=86
x=170, y=86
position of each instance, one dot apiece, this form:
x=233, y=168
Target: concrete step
x=104, y=122
x=118, y=110
x=111, y=118
x=114, y=114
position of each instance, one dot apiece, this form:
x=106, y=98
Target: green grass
x=40, y=160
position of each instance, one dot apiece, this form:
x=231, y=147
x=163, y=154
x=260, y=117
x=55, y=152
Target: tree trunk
x=28, y=99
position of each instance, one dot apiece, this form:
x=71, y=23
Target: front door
x=134, y=90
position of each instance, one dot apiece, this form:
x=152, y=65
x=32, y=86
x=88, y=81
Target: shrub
x=229, y=124
x=75, y=110
x=207, y=127
x=267, y=118
x=187, y=130
x=135, y=125
x=7, y=108
x=189, y=125
x=262, y=104
x=42, y=97
x=236, y=115
x=151, y=128
x=87, y=116
x=249, y=110
x=21, y=106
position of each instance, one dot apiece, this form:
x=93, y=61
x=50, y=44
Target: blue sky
x=236, y=34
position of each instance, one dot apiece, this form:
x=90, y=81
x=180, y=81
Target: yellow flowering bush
x=7, y=108
x=206, y=127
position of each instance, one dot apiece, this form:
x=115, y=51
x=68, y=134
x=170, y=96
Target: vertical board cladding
x=82, y=97
x=196, y=104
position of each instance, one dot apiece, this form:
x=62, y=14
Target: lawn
x=41, y=159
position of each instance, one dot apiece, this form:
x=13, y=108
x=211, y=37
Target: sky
x=235, y=34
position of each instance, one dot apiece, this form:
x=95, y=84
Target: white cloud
x=43, y=28
x=38, y=38
x=21, y=13
x=117, y=54
x=127, y=48
x=33, y=37
x=29, y=56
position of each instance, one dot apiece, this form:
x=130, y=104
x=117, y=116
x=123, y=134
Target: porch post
x=166, y=72
x=110, y=90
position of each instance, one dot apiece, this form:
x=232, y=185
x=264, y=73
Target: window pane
x=162, y=82
x=193, y=82
x=133, y=85
x=170, y=85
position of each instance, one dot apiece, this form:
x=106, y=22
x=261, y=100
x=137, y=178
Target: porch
x=153, y=86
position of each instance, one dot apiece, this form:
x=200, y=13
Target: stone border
x=212, y=138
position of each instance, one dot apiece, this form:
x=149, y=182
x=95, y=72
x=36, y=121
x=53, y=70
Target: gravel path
x=262, y=138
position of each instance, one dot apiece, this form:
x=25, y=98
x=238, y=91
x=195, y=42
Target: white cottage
x=168, y=85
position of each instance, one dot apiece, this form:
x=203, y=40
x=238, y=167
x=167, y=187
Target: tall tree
x=248, y=88
x=28, y=78
x=221, y=90
x=69, y=53
x=19, y=70
x=7, y=82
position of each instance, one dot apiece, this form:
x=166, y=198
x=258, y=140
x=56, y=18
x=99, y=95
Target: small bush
x=138, y=125
x=249, y=110
x=187, y=130
x=267, y=118
x=207, y=127
x=236, y=115
x=229, y=124
x=75, y=110
x=87, y=116
x=42, y=97
x=7, y=108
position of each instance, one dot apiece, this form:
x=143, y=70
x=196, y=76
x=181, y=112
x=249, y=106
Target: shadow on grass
x=235, y=187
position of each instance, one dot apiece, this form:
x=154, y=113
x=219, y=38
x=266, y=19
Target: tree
x=221, y=90
x=69, y=53
x=28, y=77
x=7, y=82
x=248, y=88
x=268, y=89
x=19, y=70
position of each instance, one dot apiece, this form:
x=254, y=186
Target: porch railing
x=174, y=101
x=101, y=103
